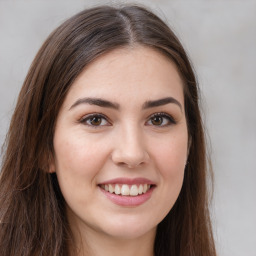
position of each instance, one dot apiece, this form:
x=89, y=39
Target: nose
x=130, y=149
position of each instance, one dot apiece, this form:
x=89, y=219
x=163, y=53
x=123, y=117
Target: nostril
x=130, y=157
x=130, y=166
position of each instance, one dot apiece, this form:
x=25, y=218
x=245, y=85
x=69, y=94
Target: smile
x=125, y=189
x=128, y=192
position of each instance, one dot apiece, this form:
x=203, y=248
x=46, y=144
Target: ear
x=51, y=168
x=51, y=164
x=47, y=162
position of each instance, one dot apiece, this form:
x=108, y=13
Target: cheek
x=170, y=160
x=78, y=160
x=171, y=155
x=78, y=156
x=171, y=167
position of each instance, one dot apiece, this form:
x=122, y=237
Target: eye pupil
x=96, y=120
x=157, y=120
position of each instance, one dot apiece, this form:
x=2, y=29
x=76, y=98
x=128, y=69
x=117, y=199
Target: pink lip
x=129, y=181
x=129, y=201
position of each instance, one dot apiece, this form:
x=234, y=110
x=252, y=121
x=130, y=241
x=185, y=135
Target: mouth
x=128, y=192
x=126, y=189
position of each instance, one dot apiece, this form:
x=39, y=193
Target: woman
x=105, y=152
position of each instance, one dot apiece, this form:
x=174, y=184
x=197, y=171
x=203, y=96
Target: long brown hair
x=32, y=209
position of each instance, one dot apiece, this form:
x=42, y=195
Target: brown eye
x=95, y=120
x=161, y=120
x=157, y=120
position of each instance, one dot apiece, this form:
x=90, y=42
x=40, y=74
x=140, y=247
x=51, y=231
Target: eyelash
x=89, y=118
x=169, y=118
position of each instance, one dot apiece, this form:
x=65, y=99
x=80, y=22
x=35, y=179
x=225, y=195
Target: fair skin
x=121, y=129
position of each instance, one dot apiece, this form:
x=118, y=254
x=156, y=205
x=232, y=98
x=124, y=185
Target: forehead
x=138, y=73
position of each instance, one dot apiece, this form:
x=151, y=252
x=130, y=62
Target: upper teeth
x=126, y=190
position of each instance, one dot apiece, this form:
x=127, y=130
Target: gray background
x=220, y=37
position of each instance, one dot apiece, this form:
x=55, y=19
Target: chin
x=130, y=229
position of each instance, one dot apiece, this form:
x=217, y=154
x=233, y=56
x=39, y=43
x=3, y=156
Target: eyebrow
x=108, y=104
x=96, y=101
x=161, y=102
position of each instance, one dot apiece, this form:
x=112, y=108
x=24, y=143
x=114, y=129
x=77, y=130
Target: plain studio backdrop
x=220, y=38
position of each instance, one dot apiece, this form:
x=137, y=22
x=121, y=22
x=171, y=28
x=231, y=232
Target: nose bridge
x=130, y=149
x=132, y=138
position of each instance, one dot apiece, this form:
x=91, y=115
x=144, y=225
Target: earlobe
x=47, y=163
x=51, y=164
x=51, y=168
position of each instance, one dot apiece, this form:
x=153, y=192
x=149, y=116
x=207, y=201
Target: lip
x=128, y=201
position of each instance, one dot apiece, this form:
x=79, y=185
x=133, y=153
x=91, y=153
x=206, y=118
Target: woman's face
x=121, y=143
